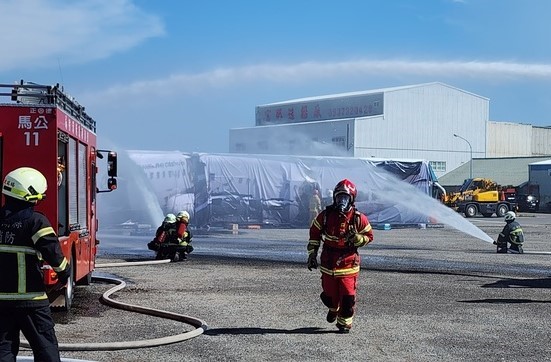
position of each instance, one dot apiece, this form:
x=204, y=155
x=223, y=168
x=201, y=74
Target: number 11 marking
x=29, y=136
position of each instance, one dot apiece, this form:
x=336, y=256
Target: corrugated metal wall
x=420, y=123
x=509, y=140
x=541, y=141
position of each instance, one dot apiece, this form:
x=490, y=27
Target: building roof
x=544, y=162
x=372, y=91
x=504, y=171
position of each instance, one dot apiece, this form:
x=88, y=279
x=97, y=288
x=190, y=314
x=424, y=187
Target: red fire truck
x=44, y=128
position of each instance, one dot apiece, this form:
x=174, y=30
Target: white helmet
x=183, y=215
x=170, y=218
x=25, y=184
x=510, y=216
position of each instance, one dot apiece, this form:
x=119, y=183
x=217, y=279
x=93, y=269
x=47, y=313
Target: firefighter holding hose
x=342, y=230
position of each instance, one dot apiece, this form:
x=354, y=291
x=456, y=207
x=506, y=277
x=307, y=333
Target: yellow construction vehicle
x=482, y=196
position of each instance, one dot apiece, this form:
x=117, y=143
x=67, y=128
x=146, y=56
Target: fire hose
x=200, y=326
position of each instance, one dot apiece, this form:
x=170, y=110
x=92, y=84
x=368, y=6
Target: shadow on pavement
x=520, y=283
x=505, y=301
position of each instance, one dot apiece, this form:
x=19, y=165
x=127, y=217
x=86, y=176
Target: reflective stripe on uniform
x=43, y=232
x=21, y=274
x=366, y=229
x=61, y=266
x=315, y=243
x=345, y=321
x=4, y=248
x=26, y=296
x=325, y=237
x=316, y=224
x=20, y=253
x=340, y=272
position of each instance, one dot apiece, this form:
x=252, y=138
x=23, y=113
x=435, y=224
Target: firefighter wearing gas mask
x=342, y=230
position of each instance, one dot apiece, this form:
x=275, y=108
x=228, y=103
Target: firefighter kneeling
x=511, y=238
x=343, y=230
x=172, y=239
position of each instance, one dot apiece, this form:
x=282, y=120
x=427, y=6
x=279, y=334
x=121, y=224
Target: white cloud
x=36, y=32
x=302, y=72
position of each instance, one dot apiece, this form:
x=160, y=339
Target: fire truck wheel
x=69, y=291
x=65, y=300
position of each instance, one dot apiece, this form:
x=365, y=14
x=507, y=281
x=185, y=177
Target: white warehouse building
x=409, y=122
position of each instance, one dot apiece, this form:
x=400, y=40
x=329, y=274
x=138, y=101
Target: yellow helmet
x=183, y=215
x=25, y=183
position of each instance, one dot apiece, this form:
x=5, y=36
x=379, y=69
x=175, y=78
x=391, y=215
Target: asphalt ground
x=431, y=294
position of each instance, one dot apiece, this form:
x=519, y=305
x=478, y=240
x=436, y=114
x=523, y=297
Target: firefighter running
x=25, y=237
x=343, y=230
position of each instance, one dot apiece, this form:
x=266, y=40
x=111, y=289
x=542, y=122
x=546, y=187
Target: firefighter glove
x=63, y=276
x=312, y=261
x=495, y=242
x=357, y=239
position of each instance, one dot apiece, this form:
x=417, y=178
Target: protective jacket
x=512, y=233
x=166, y=233
x=183, y=234
x=342, y=234
x=26, y=239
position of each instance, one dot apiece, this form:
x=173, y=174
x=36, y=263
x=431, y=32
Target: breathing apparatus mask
x=342, y=202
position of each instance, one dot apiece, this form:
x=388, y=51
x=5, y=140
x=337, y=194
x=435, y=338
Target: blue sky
x=177, y=75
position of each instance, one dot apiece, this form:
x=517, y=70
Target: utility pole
x=470, y=148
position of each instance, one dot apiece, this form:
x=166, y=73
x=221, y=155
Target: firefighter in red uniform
x=183, y=234
x=343, y=230
x=25, y=236
x=165, y=231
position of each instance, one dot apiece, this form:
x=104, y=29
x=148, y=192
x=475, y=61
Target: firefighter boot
x=333, y=312
x=515, y=249
x=346, y=313
x=331, y=316
x=344, y=328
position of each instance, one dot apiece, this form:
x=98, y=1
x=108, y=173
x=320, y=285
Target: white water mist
x=398, y=192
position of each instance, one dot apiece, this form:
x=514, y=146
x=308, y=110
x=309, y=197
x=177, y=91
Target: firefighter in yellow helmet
x=183, y=235
x=342, y=230
x=24, y=235
x=164, y=238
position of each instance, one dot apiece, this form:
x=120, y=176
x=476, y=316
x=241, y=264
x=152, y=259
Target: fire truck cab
x=44, y=128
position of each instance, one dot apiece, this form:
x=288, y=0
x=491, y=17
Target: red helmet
x=346, y=186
